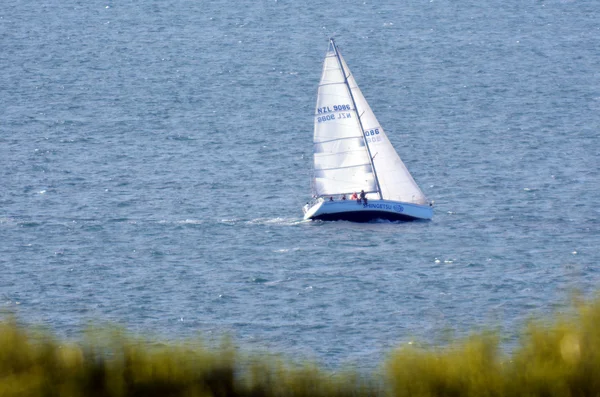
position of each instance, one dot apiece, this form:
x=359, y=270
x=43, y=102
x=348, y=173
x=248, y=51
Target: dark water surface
x=154, y=158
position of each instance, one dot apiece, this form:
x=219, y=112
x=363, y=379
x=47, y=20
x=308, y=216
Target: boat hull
x=350, y=210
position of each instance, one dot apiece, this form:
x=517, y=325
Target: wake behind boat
x=352, y=154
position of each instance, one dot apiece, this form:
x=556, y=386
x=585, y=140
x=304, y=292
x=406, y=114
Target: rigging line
x=323, y=155
x=341, y=168
x=337, y=53
x=321, y=85
x=337, y=139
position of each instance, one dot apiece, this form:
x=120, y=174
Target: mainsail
x=351, y=149
x=341, y=160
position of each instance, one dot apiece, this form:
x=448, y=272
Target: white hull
x=351, y=210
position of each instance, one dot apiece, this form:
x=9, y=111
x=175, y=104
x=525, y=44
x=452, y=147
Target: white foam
x=190, y=222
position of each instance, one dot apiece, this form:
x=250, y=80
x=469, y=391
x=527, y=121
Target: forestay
x=341, y=155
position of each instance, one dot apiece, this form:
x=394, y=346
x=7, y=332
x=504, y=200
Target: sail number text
x=336, y=108
x=370, y=135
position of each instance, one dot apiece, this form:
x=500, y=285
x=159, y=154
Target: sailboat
x=352, y=156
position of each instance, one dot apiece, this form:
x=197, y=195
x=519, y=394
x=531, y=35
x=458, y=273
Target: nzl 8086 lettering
x=336, y=108
x=333, y=108
x=328, y=117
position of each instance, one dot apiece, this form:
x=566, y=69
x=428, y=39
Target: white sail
x=395, y=182
x=341, y=159
x=341, y=155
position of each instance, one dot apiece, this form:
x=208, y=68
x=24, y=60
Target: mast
x=337, y=54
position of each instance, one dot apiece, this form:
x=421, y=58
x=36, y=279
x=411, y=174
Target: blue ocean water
x=154, y=158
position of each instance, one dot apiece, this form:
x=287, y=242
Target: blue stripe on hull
x=364, y=216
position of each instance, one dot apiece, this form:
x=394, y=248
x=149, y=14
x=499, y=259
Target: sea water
x=155, y=156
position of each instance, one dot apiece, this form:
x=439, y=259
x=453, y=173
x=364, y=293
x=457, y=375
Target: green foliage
x=558, y=358
x=469, y=368
x=109, y=363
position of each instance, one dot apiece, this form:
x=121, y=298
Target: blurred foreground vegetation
x=556, y=357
